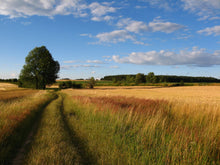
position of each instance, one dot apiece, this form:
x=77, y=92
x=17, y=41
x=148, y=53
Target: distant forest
x=151, y=78
x=14, y=80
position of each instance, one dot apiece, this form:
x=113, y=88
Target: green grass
x=53, y=143
x=16, y=120
x=118, y=135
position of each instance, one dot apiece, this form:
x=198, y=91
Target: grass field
x=113, y=125
x=184, y=128
x=17, y=116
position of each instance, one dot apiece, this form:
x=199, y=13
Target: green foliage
x=140, y=78
x=91, y=82
x=40, y=69
x=164, y=78
x=150, y=78
x=130, y=79
x=13, y=80
x=70, y=84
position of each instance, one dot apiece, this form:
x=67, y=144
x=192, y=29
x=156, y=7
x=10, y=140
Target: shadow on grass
x=54, y=89
x=86, y=158
x=10, y=148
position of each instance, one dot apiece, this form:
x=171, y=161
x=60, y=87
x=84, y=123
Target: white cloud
x=99, y=10
x=154, y=26
x=69, y=62
x=23, y=8
x=107, y=58
x=78, y=66
x=140, y=43
x=115, y=36
x=211, y=30
x=95, y=61
x=203, y=8
x=133, y=26
x=214, y=18
x=50, y=8
x=196, y=57
x=93, y=72
x=166, y=27
x=140, y=7
x=162, y=4
x=105, y=18
x=129, y=26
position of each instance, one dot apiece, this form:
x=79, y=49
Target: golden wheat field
x=181, y=125
x=193, y=95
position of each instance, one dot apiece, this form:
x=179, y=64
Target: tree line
x=12, y=80
x=152, y=78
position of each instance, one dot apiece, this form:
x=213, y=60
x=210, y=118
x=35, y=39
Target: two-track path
x=52, y=141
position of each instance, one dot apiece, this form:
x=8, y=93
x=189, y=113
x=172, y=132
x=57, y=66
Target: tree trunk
x=37, y=87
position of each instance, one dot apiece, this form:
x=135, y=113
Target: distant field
x=194, y=94
x=6, y=86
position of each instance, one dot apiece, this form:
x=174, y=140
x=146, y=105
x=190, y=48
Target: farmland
x=111, y=125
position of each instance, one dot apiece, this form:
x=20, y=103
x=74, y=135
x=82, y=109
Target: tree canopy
x=40, y=69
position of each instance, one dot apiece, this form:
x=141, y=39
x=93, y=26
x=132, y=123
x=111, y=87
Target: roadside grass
x=16, y=119
x=52, y=143
x=122, y=130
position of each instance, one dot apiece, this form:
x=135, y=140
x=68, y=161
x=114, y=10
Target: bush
x=70, y=84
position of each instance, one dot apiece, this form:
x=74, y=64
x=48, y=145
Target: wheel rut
x=25, y=147
x=78, y=143
x=82, y=154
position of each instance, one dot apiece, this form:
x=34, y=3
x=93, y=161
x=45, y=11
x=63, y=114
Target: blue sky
x=98, y=38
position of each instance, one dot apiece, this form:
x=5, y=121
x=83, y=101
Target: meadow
x=112, y=125
x=149, y=125
x=19, y=108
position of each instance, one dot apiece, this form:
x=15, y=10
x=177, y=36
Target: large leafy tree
x=40, y=69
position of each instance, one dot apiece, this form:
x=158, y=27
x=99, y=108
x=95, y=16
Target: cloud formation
x=211, y=30
x=78, y=66
x=157, y=25
x=115, y=36
x=195, y=57
x=95, y=61
x=132, y=25
x=162, y=4
x=130, y=28
x=206, y=9
x=50, y=8
x=166, y=27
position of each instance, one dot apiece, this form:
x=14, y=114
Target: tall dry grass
x=123, y=130
x=8, y=95
x=16, y=119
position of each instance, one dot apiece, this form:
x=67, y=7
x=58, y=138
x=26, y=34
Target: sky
x=102, y=37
